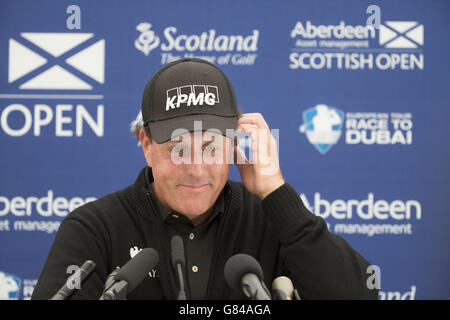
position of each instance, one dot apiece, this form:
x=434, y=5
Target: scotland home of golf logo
x=237, y=50
x=396, y=45
x=323, y=126
x=49, y=67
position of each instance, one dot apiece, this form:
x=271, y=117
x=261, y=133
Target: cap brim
x=165, y=130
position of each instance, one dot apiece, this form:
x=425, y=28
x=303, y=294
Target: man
x=188, y=137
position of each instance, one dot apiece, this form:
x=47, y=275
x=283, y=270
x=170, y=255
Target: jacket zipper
x=166, y=249
x=217, y=242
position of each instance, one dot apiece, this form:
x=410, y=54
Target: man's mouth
x=194, y=187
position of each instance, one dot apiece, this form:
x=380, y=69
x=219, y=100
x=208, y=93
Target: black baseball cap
x=185, y=91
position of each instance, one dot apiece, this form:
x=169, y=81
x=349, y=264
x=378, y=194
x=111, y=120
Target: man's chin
x=194, y=212
x=192, y=208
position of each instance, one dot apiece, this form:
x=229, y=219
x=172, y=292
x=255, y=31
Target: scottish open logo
x=60, y=54
x=323, y=126
x=401, y=34
x=9, y=286
x=52, y=69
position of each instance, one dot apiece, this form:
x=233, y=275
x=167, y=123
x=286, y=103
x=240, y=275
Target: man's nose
x=195, y=167
x=195, y=170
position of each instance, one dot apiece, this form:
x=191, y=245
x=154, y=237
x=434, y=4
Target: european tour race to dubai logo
x=47, y=67
x=9, y=286
x=323, y=126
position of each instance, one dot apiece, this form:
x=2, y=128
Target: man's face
x=189, y=173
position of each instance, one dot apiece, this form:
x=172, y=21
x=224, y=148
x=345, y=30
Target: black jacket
x=279, y=232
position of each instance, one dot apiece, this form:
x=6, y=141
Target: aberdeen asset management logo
x=395, y=45
x=401, y=34
x=323, y=126
x=56, y=61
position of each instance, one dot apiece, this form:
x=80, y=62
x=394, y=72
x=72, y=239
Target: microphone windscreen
x=239, y=265
x=284, y=284
x=87, y=268
x=135, y=270
x=178, y=251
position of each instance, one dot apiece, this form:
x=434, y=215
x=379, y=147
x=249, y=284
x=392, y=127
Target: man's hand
x=261, y=175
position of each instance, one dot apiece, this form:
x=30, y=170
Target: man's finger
x=240, y=158
x=254, y=118
x=252, y=130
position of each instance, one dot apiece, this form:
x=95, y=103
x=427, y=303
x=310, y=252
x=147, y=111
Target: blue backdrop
x=362, y=113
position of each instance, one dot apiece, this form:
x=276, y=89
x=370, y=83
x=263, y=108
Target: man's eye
x=210, y=148
x=177, y=149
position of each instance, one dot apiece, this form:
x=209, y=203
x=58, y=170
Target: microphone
x=82, y=273
x=130, y=275
x=110, y=280
x=243, y=273
x=179, y=263
x=283, y=289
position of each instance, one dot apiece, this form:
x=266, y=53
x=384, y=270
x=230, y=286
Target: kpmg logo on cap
x=192, y=95
x=401, y=34
x=322, y=125
x=23, y=60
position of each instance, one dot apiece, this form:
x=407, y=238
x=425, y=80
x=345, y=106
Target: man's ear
x=146, y=146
